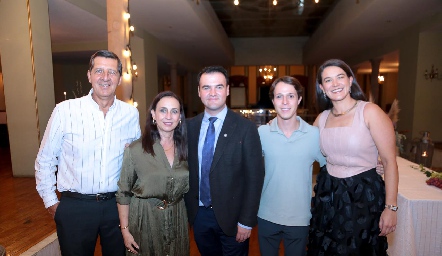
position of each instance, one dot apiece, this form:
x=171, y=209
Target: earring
x=325, y=95
x=179, y=122
x=154, y=122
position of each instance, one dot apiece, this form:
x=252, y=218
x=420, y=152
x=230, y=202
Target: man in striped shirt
x=82, y=152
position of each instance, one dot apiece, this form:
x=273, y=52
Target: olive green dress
x=144, y=182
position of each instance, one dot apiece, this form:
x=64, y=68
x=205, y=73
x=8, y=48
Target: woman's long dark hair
x=356, y=92
x=151, y=133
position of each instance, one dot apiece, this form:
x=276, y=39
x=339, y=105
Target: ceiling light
x=275, y=2
x=381, y=78
x=236, y=2
x=126, y=52
x=300, y=7
x=267, y=72
x=126, y=76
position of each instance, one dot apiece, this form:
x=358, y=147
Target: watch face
x=391, y=207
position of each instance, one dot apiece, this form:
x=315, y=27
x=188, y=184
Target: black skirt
x=345, y=215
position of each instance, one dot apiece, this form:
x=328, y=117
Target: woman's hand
x=380, y=167
x=388, y=221
x=129, y=241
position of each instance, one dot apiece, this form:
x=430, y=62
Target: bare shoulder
x=316, y=123
x=372, y=110
x=373, y=114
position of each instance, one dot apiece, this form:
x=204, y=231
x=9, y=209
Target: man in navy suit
x=236, y=175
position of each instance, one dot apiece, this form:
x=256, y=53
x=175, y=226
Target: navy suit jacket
x=236, y=175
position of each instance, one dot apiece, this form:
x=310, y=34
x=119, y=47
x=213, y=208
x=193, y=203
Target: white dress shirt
x=86, y=146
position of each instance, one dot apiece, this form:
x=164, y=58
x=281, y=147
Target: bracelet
x=123, y=227
x=394, y=208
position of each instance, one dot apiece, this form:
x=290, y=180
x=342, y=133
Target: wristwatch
x=392, y=207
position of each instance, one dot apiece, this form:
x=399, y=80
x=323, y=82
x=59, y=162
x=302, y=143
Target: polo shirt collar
x=302, y=125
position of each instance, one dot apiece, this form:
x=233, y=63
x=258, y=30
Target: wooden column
x=374, y=88
x=118, y=40
x=25, y=48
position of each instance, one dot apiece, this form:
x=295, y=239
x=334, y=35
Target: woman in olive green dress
x=153, y=179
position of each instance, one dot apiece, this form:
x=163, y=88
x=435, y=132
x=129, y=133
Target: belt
x=162, y=204
x=96, y=197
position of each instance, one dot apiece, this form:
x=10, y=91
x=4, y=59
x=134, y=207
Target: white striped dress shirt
x=86, y=146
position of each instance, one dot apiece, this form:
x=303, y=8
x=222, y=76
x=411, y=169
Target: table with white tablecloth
x=419, y=229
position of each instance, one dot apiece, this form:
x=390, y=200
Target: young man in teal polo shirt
x=290, y=147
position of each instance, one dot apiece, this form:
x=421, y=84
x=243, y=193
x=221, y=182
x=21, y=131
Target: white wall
x=428, y=94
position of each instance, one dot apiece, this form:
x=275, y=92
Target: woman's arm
x=129, y=242
x=382, y=131
x=123, y=197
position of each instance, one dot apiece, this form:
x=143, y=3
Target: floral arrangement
x=435, y=178
x=423, y=169
x=393, y=114
x=399, y=141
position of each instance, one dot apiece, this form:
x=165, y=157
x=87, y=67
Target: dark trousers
x=79, y=222
x=211, y=240
x=270, y=235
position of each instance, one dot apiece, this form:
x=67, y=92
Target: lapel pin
x=225, y=135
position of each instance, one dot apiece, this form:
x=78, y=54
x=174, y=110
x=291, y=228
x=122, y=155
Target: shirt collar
x=221, y=115
x=95, y=104
x=302, y=125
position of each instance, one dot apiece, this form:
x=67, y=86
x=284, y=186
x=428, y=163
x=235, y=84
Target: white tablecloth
x=419, y=229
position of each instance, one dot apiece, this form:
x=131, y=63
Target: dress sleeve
x=128, y=178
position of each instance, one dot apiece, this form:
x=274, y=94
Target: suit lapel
x=226, y=133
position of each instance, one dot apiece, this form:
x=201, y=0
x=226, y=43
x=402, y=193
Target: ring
x=128, y=250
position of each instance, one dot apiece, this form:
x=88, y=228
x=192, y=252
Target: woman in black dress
x=354, y=208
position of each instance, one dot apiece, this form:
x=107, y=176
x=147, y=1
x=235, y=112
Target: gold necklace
x=168, y=148
x=345, y=112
